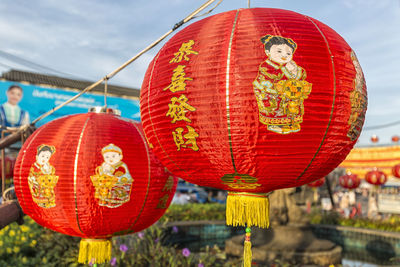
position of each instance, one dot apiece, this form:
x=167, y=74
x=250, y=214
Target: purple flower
x=123, y=248
x=91, y=262
x=200, y=265
x=140, y=235
x=186, y=252
x=113, y=261
x=156, y=240
x=175, y=229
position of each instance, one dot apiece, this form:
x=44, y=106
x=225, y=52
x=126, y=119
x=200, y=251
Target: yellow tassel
x=247, y=209
x=247, y=255
x=94, y=250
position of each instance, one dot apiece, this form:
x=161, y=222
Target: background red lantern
x=349, y=181
x=9, y=163
x=395, y=138
x=376, y=177
x=374, y=139
x=396, y=171
x=222, y=109
x=317, y=183
x=92, y=175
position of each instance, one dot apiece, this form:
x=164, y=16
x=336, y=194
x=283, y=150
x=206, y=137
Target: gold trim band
x=228, y=115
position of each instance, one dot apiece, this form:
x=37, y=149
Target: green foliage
x=391, y=224
x=319, y=217
x=146, y=249
x=33, y=245
x=195, y=212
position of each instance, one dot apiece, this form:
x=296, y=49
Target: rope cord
x=105, y=92
x=113, y=73
x=5, y=199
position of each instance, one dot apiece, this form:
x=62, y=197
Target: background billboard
x=40, y=99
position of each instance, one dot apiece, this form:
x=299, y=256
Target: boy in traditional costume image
x=280, y=86
x=112, y=180
x=42, y=178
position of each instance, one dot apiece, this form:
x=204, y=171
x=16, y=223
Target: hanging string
x=113, y=73
x=209, y=11
x=105, y=93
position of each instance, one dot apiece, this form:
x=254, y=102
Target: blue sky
x=90, y=38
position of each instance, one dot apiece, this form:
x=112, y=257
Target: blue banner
x=37, y=100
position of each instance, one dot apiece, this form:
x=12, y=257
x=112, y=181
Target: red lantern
x=376, y=177
x=9, y=163
x=349, y=181
x=395, y=138
x=92, y=175
x=396, y=171
x=253, y=100
x=317, y=183
x=374, y=139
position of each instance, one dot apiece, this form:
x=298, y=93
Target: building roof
x=363, y=159
x=65, y=83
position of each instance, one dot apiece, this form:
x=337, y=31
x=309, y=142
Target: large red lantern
x=396, y=171
x=376, y=177
x=317, y=183
x=92, y=175
x=253, y=100
x=349, y=181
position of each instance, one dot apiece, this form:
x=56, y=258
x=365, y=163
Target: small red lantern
x=349, y=181
x=317, y=183
x=92, y=175
x=374, y=139
x=253, y=100
x=9, y=163
x=395, y=138
x=396, y=171
x=376, y=177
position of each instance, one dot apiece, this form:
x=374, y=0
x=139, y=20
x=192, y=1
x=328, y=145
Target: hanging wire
x=105, y=93
x=209, y=11
x=113, y=73
x=390, y=124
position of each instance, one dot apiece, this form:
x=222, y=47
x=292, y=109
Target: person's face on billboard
x=14, y=96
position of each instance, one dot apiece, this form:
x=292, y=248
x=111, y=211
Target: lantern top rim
x=103, y=109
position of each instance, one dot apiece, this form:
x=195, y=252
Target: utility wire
x=390, y=124
x=33, y=65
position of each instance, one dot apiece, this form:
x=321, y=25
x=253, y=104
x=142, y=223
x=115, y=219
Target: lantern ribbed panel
x=232, y=142
x=79, y=142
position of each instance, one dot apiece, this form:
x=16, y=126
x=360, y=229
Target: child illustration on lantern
x=280, y=86
x=42, y=179
x=112, y=181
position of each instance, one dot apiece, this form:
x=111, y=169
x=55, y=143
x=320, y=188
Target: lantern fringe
x=251, y=209
x=247, y=255
x=94, y=250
